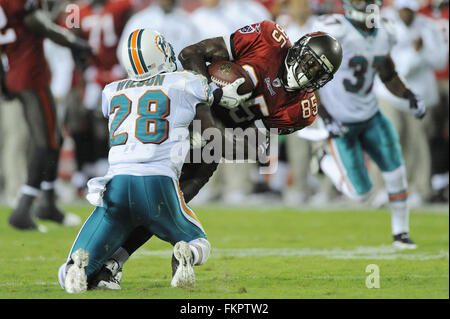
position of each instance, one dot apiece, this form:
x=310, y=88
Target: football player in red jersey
x=285, y=78
x=23, y=26
x=101, y=25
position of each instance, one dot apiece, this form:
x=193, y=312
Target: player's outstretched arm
x=39, y=23
x=393, y=82
x=195, y=56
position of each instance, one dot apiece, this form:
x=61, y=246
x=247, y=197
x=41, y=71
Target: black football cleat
x=20, y=217
x=49, y=211
x=403, y=241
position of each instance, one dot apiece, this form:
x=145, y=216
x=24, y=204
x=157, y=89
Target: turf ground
x=258, y=253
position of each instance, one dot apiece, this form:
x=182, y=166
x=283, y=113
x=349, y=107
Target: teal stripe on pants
x=378, y=138
x=130, y=202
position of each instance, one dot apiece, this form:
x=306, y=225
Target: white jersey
x=148, y=125
x=349, y=97
x=416, y=66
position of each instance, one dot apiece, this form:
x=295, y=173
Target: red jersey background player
x=23, y=26
x=102, y=23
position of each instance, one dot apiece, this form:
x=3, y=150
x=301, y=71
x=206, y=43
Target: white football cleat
x=182, y=265
x=76, y=280
x=71, y=220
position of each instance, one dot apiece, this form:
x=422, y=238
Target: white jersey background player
x=149, y=115
x=169, y=19
x=349, y=101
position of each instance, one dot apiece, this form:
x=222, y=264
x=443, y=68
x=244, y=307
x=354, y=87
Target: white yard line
x=363, y=252
x=377, y=252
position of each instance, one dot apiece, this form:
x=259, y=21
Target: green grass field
x=265, y=253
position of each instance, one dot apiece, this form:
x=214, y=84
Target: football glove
x=418, y=108
x=197, y=140
x=230, y=98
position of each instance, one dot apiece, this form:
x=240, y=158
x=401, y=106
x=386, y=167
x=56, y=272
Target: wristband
x=408, y=94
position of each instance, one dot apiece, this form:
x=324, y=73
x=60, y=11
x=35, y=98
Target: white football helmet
x=147, y=53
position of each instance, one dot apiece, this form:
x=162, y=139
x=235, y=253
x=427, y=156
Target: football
x=226, y=72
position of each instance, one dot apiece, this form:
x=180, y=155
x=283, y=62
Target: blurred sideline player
x=167, y=17
x=25, y=26
x=438, y=10
x=149, y=115
x=420, y=50
x=101, y=25
x=283, y=97
x=350, y=102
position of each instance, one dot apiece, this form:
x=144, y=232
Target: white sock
x=439, y=181
x=399, y=218
x=46, y=186
x=201, y=249
x=30, y=191
x=397, y=188
x=334, y=172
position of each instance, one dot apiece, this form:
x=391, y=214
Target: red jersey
x=441, y=17
x=261, y=49
x=102, y=26
x=28, y=68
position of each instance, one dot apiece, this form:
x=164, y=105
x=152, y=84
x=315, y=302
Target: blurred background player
x=101, y=25
x=141, y=187
x=438, y=128
x=349, y=99
x=421, y=49
x=211, y=20
x=167, y=17
x=28, y=77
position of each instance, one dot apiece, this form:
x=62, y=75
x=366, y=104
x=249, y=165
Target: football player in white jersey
x=348, y=102
x=149, y=114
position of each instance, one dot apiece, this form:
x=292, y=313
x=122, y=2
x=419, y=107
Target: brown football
x=226, y=72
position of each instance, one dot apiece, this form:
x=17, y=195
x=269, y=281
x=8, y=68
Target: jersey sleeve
x=197, y=90
x=331, y=24
x=247, y=39
x=295, y=116
x=105, y=104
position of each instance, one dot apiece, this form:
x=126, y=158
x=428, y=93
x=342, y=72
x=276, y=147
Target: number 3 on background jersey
x=9, y=35
x=151, y=124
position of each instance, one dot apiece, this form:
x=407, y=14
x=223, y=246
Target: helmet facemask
x=305, y=70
